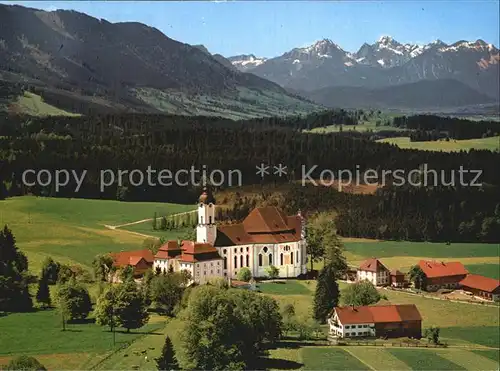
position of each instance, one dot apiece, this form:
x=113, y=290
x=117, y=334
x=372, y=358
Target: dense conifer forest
x=129, y=142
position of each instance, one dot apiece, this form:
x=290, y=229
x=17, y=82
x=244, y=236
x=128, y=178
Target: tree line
x=128, y=142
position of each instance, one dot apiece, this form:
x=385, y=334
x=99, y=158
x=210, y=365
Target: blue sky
x=272, y=28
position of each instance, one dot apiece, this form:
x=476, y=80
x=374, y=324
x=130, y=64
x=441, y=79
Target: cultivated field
x=73, y=230
x=491, y=143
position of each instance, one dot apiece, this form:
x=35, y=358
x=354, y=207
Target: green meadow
x=73, y=230
x=491, y=143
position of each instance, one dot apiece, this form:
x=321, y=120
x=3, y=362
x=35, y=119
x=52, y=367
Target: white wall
x=350, y=330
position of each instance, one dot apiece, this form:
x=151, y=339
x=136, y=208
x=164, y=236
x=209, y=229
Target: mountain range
x=324, y=65
x=72, y=58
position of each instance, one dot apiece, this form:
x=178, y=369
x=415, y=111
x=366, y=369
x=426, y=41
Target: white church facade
x=267, y=237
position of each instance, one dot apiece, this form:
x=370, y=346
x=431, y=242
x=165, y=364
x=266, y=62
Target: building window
x=281, y=259
x=247, y=248
x=241, y=261
x=210, y=219
x=201, y=218
x=260, y=260
x=248, y=261
x=270, y=259
x=265, y=249
x=225, y=262
x=291, y=257
x=224, y=251
x=297, y=260
x=235, y=262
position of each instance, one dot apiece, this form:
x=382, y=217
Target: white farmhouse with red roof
x=374, y=271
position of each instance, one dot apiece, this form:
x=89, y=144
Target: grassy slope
x=241, y=104
x=33, y=104
x=403, y=254
x=492, y=144
x=72, y=230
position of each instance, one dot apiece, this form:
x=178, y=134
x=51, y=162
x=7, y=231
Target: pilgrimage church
x=266, y=237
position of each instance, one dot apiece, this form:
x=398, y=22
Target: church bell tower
x=206, y=230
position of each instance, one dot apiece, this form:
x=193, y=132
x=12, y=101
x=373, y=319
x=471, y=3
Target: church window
x=265, y=249
x=291, y=257
x=297, y=259
x=270, y=259
x=225, y=262
x=201, y=219
x=210, y=205
x=247, y=248
x=235, y=262
x=260, y=260
x=248, y=261
x=241, y=261
x=210, y=219
x=241, y=249
x=281, y=259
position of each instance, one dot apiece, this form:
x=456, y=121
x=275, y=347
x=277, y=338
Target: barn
x=484, y=287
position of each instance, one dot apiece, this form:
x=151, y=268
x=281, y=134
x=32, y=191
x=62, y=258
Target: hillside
x=81, y=61
x=424, y=94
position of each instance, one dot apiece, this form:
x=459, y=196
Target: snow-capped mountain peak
x=246, y=62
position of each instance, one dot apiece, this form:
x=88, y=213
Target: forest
x=135, y=141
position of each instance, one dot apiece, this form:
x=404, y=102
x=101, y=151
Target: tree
x=273, y=272
x=167, y=360
x=163, y=223
x=360, y=293
x=25, y=363
x=74, y=300
x=418, y=277
x=14, y=276
x=103, y=266
x=432, y=334
x=131, y=308
x=166, y=292
x=324, y=243
x=154, y=221
x=65, y=274
x=326, y=296
x=226, y=329
x=104, y=312
x=153, y=244
x=127, y=273
x=190, y=235
x=244, y=274
x=50, y=271
x=43, y=293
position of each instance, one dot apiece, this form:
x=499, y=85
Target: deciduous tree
x=131, y=307
x=74, y=300
x=244, y=274
x=418, y=277
x=360, y=293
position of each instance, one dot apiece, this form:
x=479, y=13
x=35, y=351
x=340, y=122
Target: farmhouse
x=139, y=260
x=398, y=278
x=442, y=275
x=403, y=320
x=201, y=260
x=484, y=287
x=374, y=271
x=266, y=237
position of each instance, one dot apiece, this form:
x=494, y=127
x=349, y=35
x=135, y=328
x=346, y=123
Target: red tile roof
x=168, y=250
x=482, y=283
x=435, y=269
x=262, y=225
x=125, y=258
x=378, y=314
x=193, y=252
x=372, y=265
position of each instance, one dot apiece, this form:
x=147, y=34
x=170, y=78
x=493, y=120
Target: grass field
x=289, y=287
x=72, y=230
x=33, y=104
x=330, y=359
x=492, y=144
x=418, y=359
x=488, y=270
x=403, y=254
